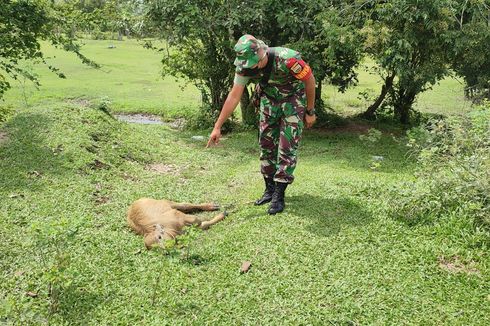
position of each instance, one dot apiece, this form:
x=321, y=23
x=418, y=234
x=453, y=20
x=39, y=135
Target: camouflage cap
x=246, y=50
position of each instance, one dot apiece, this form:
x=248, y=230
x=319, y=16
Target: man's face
x=262, y=61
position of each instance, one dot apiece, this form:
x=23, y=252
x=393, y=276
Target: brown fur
x=163, y=219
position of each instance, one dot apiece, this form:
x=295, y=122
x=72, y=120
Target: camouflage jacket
x=288, y=72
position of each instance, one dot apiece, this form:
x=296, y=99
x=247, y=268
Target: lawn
x=336, y=256
x=130, y=78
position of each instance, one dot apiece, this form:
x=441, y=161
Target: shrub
x=453, y=174
x=5, y=112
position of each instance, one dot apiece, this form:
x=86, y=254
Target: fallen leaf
x=245, y=267
x=19, y=273
x=34, y=174
x=31, y=294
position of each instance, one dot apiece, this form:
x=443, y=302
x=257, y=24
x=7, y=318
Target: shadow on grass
x=76, y=305
x=328, y=215
x=26, y=157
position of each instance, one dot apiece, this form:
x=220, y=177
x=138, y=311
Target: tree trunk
x=403, y=104
x=248, y=110
x=369, y=114
x=318, y=92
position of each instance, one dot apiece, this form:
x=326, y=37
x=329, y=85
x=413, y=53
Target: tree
x=23, y=24
x=408, y=40
x=469, y=55
x=200, y=38
x=201, y=35
x=331, y=46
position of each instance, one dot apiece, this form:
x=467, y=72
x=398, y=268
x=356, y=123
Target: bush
x=5, y=112
x=453, y=176
x=205, y=119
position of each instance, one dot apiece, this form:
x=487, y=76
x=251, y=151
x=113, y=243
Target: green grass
x=335, y=256
x=130, y=77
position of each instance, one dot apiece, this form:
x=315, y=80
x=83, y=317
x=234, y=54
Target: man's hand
x=214, y=137
x=309, y=120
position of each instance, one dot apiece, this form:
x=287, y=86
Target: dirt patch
x=129, y=177
x=349, y=128
x=98, y=196
x=161, y=168
x=98, y=165
x=456, y=265
x=4, y=137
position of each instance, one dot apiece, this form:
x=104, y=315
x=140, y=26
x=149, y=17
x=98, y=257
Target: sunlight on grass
x=335, y=256
x=139, y=87
x=130, y=77
x=69, y=173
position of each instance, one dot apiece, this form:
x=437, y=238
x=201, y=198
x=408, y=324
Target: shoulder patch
x=299, y=68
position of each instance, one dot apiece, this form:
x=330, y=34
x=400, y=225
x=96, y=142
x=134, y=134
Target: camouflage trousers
x=280, y=129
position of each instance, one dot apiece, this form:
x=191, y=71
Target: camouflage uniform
x=282, y=105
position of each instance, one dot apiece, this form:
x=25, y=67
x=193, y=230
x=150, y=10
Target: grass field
x=336, y=256
x=130, y=78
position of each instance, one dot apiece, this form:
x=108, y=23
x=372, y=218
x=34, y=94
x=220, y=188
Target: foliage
x=53, y=238
x=471, y=45
x=201, y=43
x=202, y=52
x=5, y=112
x=408, y=40
x=123, y=17
x=23, y=24
x=454, y=169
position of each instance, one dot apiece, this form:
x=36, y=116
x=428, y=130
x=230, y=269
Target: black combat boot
x=277, y=203
x=269, y=190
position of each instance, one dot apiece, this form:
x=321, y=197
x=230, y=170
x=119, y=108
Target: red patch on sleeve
x=299, y=69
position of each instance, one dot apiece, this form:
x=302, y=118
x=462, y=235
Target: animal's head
x=154, y=237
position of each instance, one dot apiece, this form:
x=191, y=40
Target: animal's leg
x=190, y=219
x=206, y=224
x=190, y=208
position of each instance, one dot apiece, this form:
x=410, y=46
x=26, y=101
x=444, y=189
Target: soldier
x=286, y=89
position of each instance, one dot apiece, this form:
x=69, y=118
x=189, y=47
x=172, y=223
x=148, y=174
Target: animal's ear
x=149, y=240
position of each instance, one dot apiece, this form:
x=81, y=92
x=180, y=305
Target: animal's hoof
x=225, y=213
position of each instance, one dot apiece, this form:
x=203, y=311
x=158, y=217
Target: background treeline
x=412, y=43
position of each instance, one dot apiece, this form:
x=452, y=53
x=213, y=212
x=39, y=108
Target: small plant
x=371, y=139
x=373, y=136
x=6, y=111
x=52, y=240
x=104, y=104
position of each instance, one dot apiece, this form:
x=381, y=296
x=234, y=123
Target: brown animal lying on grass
x=163, y=219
